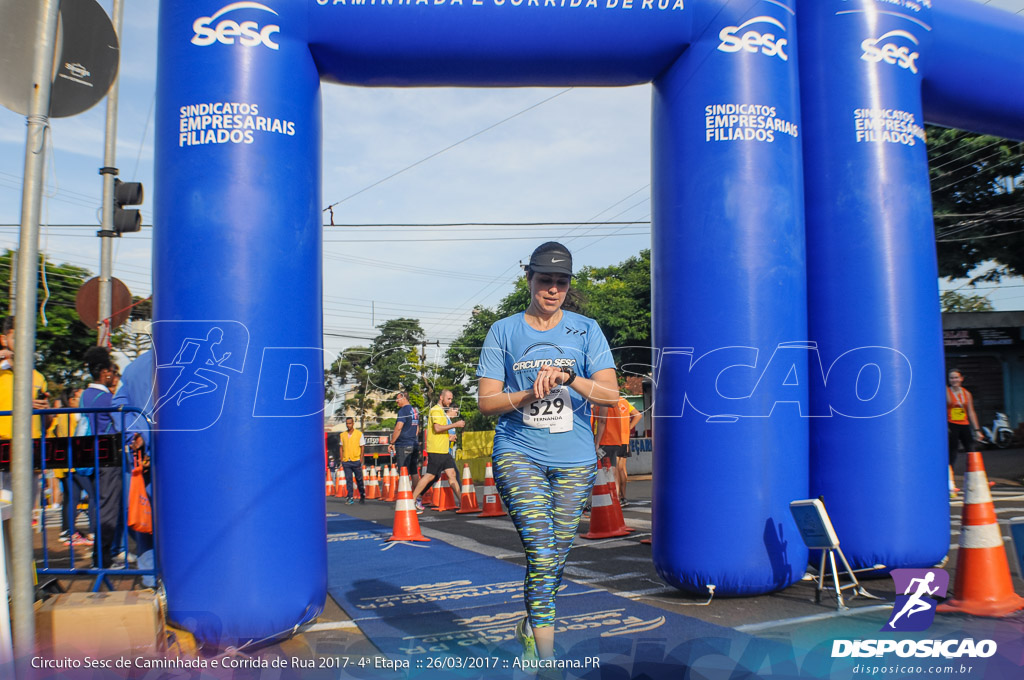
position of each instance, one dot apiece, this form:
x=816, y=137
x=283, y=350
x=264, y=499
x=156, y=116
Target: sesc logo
x=754, y=41
x=248, y=33
x=891, y=53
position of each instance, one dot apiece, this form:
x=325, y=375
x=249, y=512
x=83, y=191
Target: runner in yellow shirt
x=439, y=458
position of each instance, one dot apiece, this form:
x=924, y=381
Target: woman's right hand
x=548, y=378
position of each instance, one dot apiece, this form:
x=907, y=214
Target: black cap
x=551, y=258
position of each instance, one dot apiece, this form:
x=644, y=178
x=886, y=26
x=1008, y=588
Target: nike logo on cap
x=553, y=260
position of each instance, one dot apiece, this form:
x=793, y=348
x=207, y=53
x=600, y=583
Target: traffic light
x=127, y=193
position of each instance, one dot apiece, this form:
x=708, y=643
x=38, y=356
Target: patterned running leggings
x=545, y=504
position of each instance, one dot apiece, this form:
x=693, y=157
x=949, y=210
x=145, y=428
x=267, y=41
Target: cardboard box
x=106, y=624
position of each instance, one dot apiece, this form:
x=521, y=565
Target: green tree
x=953, y=301
x=61, y=339
x=976, y=196
x=618, y=297
x=395, y=362
x=348, y=376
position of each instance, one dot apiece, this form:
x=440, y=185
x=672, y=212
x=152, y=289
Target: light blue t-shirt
x=513, y=353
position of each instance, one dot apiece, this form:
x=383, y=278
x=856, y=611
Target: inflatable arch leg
x=728, y=267
x=237, y=277
x=879, y=459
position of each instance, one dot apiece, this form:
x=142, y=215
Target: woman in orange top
x=960, y=417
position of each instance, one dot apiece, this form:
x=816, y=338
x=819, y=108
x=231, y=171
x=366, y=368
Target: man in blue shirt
x=97, y=395
x=405, y=439
x=136, y=390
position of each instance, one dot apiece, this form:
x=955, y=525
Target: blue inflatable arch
x=789, y=363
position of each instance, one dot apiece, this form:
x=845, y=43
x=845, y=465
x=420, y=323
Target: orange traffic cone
x=609, y=480
x=983, y=585
x=393, y=496
x=372, y=488
x=468, y=501
x=603, y=522
x=492, y=502
x=355, y=486
x=389, y=486
x=432, y=496
x=444, y=495
x=407, y=525
x=329, y=484
x=341, y=488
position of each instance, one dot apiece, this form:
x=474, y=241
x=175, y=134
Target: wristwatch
x=572, y=376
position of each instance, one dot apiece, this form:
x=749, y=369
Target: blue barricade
x=101, y=466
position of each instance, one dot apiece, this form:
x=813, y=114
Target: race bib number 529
x=553, y=412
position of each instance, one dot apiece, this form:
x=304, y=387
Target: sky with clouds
x=579, y=156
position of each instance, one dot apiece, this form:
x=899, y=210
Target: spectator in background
x=332, y=449
x=405, y=438
x=73, y=482
x=961, y=422
x=98, y=395
x=614, y=423
x=39, y=396
x=353, y=447
x=40, y=400
x=136, y=390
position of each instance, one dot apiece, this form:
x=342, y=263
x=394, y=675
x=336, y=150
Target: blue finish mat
x=430, y=601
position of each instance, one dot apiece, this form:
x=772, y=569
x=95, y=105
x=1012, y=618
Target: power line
x=447, y=148
x=491, y=238
x=979, y=238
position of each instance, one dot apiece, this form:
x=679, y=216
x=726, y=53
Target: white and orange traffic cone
x=393, y=494
x=407, y=525
x=603, y=522
x=468, y=501
x=372, y=487
x=609, y=480
x=492, y=502
x=386, y=483
x=329, y=484
x=983, y=585
x=444, y=495
x=341, y=488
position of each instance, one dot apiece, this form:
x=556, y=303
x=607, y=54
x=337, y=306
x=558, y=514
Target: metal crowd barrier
x=95, y=451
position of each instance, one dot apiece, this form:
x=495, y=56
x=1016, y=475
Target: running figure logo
x=193, y=380
x=915, y=608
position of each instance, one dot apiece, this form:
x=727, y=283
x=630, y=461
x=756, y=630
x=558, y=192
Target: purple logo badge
x=915, y=608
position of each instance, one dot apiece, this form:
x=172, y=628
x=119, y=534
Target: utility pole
x=108, y=171
x=423, y=371
x=22, y=572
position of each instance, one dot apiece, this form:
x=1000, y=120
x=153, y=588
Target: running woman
x=540, y=370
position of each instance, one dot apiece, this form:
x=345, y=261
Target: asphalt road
x=623, y=565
